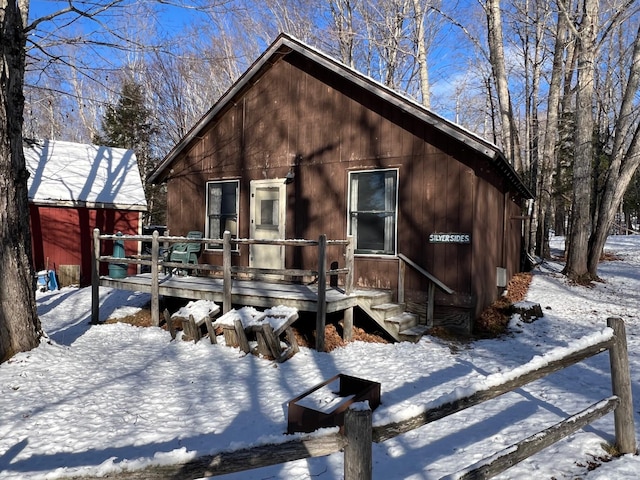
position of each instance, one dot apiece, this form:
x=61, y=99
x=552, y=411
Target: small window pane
x=371, y=192
x=370, y=232
x=222, y=209
x=269, y=212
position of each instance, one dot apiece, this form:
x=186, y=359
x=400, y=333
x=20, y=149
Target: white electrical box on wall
x=501, y=277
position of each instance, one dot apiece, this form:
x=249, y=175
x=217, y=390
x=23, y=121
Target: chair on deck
x=185, y=252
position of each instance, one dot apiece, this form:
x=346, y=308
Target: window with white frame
x=222, y=209
x=372, y=211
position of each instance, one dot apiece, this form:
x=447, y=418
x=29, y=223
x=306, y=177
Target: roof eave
x=412, y=108
x=85, y=204
x=238, y=86
x=286, y=44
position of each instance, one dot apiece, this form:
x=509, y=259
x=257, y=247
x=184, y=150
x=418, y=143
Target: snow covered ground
x=98, y=399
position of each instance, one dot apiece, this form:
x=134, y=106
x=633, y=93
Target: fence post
x=95, y=278
x=226, y=271
x=358, y=454
x=347, y=333
x=402, y=268
x=155, y=283
x=431, y=298
x=349, y=263
x=621, y=387
x=321, y=310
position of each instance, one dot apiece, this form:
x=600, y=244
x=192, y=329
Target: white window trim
x=234, y=247
x=351, y=198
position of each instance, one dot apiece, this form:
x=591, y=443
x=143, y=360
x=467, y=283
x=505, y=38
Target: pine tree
x=127, y=125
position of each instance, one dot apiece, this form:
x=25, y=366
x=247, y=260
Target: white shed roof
x=75, y=174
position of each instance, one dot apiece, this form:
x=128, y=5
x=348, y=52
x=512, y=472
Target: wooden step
x=374, y=297
x=388, y=309
x=392, y=317
x=404, y=321
x=413, y=334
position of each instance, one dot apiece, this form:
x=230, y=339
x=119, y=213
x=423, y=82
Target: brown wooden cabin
x=301, y=145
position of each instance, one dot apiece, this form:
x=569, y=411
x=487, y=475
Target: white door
x=268, y=213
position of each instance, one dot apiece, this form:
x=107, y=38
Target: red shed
x=302, y=145
x=74, y=188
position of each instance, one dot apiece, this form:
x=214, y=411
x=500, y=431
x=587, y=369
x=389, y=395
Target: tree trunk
x=19, y=325
x=421, y=46
x=624, y=162
x=533, y=41
x=545, y=180
x=510, y=139
x=576, y=267
x=342, y=13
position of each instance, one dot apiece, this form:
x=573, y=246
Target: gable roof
x=285, y=45
x=82, y=175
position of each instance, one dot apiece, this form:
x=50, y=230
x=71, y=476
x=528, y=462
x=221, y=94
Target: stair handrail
x=426, y=274
x=433, y=282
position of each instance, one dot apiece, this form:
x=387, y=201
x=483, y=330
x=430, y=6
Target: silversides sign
x=450, y=238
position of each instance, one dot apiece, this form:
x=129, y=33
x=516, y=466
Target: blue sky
x=449, y=62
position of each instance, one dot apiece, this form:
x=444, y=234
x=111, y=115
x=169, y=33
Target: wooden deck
x=232, y=290
x=243, y=292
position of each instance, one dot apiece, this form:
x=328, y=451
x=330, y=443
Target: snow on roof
x=75, y=174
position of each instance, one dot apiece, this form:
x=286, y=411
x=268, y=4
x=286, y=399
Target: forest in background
x=554, y=83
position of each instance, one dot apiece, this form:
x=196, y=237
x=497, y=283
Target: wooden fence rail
x=229, y=271
x=359, y=432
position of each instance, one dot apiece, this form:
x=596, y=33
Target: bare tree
x=343, y=13
x=578, y=239
x=510, y=137
x=625, y=158
x=20, y=328
x=551, y=136
x=420, y=14
x=19, y=324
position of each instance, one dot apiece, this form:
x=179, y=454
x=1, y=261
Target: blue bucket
x=117, y=270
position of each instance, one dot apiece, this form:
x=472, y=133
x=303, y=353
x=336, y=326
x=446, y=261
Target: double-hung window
x=222, y=209
x=372, y=211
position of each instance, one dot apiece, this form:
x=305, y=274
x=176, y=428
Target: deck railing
x=359, y=433
x=433, y=282
x=229, y=272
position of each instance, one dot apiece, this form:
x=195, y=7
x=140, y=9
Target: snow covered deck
x=243, y=292
x=232, y=287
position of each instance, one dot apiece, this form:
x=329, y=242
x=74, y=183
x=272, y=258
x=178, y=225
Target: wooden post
x=95, y=278
x=321, y=311
x=347, y=333
x=226, y=271
x=165, y=252
x=191, y=328
x=268, y=343
x=210, y=330
x=621, y=387
x=241, y=336
x=155, y=283
x=431, y=298
x=169, y=322
x=347, y=328
x=358, y=452
x=291, y=338
x=349, y=263
x=402, y=268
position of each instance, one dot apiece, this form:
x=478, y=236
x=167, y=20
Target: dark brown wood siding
x=487, y=234
x=299, y=117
